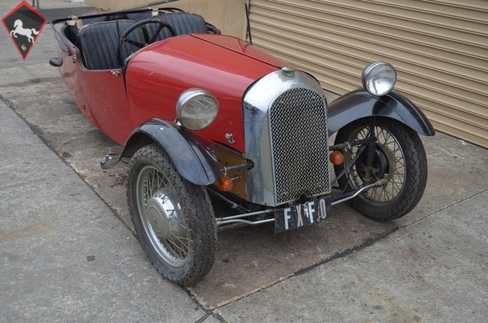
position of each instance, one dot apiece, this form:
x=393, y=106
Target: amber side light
x=336, y=158
x=225, y=183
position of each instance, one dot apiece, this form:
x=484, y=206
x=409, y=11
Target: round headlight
x=379, y=78
x=196, y=109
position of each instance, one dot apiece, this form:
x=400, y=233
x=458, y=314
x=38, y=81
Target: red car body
x=226, y=66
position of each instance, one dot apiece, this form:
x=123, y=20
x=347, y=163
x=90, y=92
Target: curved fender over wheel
x=359, y=103
x=193, y=159
x=399, y=160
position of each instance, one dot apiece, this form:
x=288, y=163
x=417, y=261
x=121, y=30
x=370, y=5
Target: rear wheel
x=399, y=160
x=173, y=218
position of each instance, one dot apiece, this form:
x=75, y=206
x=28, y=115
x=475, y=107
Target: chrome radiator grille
x=298, y=124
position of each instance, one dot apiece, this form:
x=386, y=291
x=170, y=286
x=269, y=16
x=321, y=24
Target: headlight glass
x=379, y=78
x=196, y=109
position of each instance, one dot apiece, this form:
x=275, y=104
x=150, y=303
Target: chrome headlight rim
x=379, y=78
x=204, y=100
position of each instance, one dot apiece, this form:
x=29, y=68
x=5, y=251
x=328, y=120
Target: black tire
x=400, y=158
x=173, y=218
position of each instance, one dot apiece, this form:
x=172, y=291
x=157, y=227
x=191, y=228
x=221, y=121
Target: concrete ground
x=67, y=252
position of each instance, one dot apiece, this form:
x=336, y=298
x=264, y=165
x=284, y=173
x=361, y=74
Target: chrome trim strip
x=246, y=221
x=240, y=216
x=362, y=189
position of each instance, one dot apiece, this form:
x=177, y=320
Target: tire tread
x=415, y=165
x=194, y=201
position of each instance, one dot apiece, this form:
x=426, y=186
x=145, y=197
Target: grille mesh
x=298, y=124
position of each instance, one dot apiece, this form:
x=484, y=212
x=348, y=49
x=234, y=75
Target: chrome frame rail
x=362, y=189
x=238, y=218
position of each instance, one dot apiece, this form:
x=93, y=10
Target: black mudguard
x=192, y=157
x=360, y=104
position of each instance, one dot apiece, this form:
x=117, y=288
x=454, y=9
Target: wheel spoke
x=179, y=251
x=161, y=181
x=182, y=240
x=155, y=190
x=381, y=193
x=395, y=168
x=181, y=224
x=397, y=185
x=151, y=183
x=162, y=207
x=132, y=42
x=390, y=146
x=176, y=251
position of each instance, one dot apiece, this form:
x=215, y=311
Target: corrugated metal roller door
x=440, y=49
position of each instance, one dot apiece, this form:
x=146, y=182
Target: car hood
x=239, y=46
x=223, y=65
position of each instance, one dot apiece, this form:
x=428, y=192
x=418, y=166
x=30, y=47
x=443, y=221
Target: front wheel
x=399, y=161
x=173, y=218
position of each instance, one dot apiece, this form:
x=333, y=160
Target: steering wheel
x=124, y=37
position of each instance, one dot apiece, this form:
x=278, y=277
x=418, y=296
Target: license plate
x=300, y=215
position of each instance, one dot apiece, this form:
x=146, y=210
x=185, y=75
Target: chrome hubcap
x=157, y=217
x=162, y=217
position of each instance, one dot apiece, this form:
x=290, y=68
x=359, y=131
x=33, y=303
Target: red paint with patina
x=157, y=75
x=100, y=94
x=222, y=65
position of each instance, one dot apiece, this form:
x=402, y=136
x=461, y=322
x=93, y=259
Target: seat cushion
x=185, y=23
x=99, y=42
x=182, y=22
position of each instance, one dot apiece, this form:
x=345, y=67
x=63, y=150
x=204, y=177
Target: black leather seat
x=182, y=22
x=99, y=42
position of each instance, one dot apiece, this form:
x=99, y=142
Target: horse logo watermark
x=24, y=24
x=20, y=30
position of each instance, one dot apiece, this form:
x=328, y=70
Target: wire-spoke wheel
x=399, y=161
x=173, y=218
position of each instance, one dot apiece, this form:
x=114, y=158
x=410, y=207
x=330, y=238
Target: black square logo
x=24, y=24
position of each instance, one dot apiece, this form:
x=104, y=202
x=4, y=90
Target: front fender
x=193, y=158
x=359, y=104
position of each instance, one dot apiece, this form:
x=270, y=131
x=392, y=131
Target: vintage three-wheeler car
x=200, y=113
